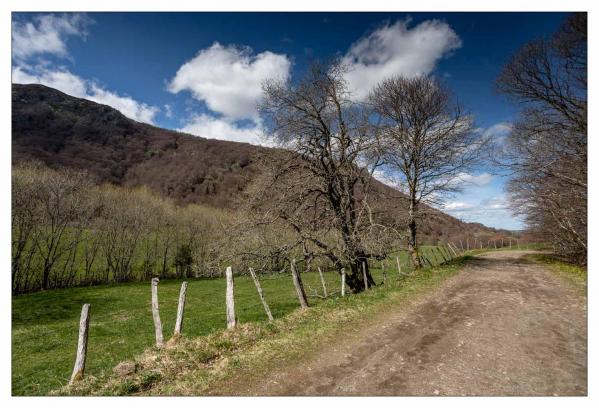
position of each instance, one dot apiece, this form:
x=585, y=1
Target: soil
x=502, y=326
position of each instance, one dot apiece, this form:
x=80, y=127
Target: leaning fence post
x=79, y=367
x=230, y=299
x=180, y=310
x=299, y=287
x=259, y=289
x=365, y=276
x=342, y=282
x=443, y=257
x=156, y=314
x=324, y=285
x=398, y=267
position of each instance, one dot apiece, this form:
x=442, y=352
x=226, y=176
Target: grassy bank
x=44, y=324
x=575, y=274
x=222, y=361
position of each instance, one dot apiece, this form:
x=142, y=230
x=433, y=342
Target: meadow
x=45, y=324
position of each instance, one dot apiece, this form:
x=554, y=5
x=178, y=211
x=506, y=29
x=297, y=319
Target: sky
x=201, y=73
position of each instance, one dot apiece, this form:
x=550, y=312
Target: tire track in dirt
x=503, y=326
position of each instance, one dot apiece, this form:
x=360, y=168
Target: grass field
x=45, y=324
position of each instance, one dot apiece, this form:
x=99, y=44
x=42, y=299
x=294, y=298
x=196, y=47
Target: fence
x=391, y=269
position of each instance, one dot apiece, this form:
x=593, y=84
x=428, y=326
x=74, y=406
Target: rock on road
x=502, y=326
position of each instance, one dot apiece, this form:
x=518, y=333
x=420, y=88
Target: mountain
x=61, y=130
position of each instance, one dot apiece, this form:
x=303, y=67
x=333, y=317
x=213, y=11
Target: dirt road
x=501, y=327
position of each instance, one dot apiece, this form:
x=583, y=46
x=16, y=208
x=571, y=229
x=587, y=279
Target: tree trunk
x=355, y=278
x=412, y=241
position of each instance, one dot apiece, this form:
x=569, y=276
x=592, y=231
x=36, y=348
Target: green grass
x=45, y=324
x=575, y=274
x=227, y=362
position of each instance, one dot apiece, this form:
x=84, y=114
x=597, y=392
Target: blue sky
x=201, y=72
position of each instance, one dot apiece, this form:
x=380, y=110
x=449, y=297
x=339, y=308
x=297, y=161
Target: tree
x=318, y=188
x=426, y=139
x=64, y=210
x=547, y=149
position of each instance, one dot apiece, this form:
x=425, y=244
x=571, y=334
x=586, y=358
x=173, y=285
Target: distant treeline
x=68, y=231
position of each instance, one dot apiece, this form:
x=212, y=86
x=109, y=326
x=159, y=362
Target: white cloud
x=62, y=80
x=397, y=49
x=497, y=133
x=125, y=104
x=46, y=34
x=214, y=128
x=494, y=212
x=73, y=85
x=478, y=180
x=229, y=78
x=457, y=205
x=168, y=110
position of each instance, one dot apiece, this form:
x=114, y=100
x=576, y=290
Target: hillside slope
x=61, y=130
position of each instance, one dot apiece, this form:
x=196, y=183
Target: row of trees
x=547, y=149
x=66, y=231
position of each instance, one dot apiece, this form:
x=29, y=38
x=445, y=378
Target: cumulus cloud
x=397, y=49
x=228, y=79
x=46, y=34
x=494, y=212
x=60, y=79
x=215, y=128
x=125, y=104
x=73, y=85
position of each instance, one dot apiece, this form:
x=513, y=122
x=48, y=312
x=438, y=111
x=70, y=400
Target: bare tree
x=426, y=141
x=547, y=150
x=64, y=210
x=318, y=189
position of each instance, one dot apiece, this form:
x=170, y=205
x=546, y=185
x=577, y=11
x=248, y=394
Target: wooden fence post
x=398, y=267
x=324, y=285
x=180, y=310
x=156, y=313
x=259, y=289
x=454, y=248
x=450, y=251
x=342, y=282
x=299, y=287
x=364, y=275
x=443, y=257
x=384, y=273
x=230, y=299
x=79, y=367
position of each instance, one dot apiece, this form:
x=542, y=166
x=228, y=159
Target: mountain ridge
x=65, y=131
